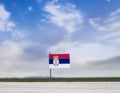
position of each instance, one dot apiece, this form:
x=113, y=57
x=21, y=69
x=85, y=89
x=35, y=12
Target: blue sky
x=87, y=29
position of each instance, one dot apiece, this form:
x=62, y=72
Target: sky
x=89, y=30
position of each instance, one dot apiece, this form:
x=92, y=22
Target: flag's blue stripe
x=61, y=61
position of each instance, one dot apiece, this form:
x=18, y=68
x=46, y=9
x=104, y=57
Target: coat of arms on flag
x=59, y=61
x=55, y=60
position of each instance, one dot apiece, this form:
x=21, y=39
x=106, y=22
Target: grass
x=60, y=79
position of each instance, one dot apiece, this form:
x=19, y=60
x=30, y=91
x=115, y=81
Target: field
x=60, y=79
x=59, y=87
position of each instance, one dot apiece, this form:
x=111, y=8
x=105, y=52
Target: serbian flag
x=59, y=61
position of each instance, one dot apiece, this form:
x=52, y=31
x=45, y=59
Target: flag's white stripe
x=59, y=66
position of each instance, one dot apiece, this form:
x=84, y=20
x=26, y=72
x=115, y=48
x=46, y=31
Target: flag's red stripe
x=61, y=56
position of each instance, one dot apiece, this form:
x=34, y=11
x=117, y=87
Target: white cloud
x=18, y=34
x=13, y=63
x=93, y=23
x=110, y=35
x=10, y=53
x=4, y=15
x=110, y=23
x=82, y=53
x=109, y=26
x=66, y=16
x=116, y=41
x=30, y=8
x=115, y=12
x=108, y=0
x=94, y=51
x=62, y=47
x=5, y=23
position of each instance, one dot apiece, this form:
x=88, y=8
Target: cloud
x=5, y=23
x=60, y=48
x=18, y=34
x=95, y=25
x=83, y=53
x=110, y=23
x=15, y=61
x=102, y=68
x=109, y=26
x=109, y=63
x=30, y=8
x=4, y=15
x=117, y=12
x=110, y=35
x=108, y=68
x=10, y=53
x=108, y=0
x=66, y=16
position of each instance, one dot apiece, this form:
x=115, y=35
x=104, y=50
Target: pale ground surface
x=60, y=87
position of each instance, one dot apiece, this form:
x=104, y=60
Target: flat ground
x=59, y=87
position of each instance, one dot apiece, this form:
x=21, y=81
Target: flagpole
x=50, y=71
x=50, y=75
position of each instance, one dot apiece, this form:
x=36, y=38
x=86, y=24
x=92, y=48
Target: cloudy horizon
x=89, y=30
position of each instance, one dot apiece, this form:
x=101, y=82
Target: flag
x=59, y=61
